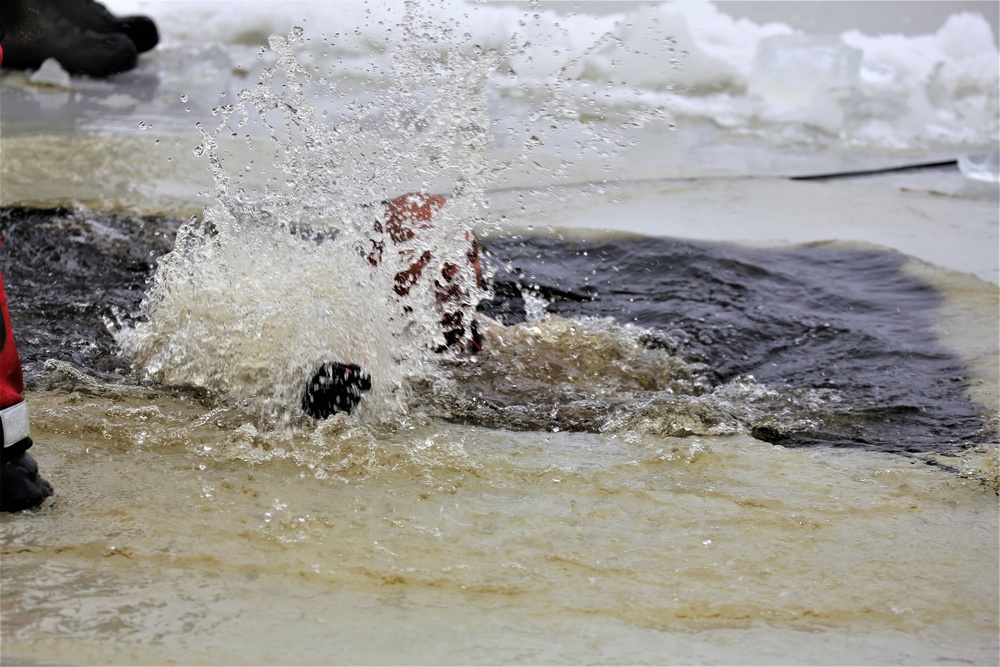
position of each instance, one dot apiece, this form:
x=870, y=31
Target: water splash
x=275, y=279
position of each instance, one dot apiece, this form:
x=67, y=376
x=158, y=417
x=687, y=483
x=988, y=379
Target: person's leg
x=20, y=486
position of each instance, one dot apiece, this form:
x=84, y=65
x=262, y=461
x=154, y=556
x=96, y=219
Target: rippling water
x=816, y=345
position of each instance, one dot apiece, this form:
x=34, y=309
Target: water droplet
x=184, y=98
x=143, y=125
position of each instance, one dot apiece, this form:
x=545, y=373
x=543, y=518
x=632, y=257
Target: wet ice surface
x=564, y=547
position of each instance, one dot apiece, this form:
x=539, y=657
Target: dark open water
x=802, y=346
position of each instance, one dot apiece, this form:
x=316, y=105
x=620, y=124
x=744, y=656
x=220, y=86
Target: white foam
x=276, y=279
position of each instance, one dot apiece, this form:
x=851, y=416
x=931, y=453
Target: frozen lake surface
x=744, y=410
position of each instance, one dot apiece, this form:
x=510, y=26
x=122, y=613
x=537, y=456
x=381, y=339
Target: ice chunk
x=51, y=73
x=981, y=166
x=806, y=78
x=794, y=69
x=662, y=51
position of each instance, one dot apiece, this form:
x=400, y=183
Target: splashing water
x=274, y=280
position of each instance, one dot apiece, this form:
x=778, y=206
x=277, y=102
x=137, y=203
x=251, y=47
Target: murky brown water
x=433, y=542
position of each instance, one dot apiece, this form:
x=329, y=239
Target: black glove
x=334, y=388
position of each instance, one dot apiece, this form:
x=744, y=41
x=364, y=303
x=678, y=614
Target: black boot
x=20, y=486
x=78, y=51
x=334, y=388
x=94, y=17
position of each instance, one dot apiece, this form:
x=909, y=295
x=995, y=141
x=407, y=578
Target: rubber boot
x=79, y=51
x=92, y=16
x=21, y=487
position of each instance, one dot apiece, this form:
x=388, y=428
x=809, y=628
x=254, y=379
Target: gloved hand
x=334, y=388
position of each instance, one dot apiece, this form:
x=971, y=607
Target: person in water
x=338, y=387
x=81, y=35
